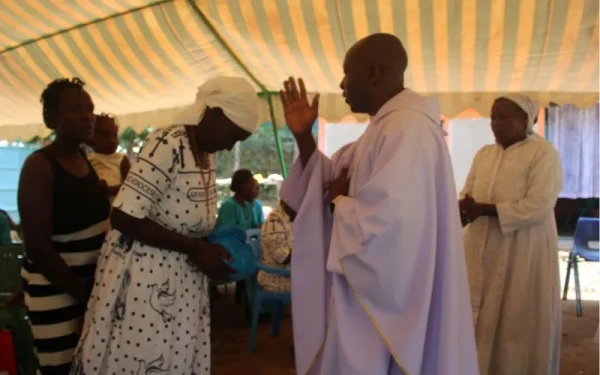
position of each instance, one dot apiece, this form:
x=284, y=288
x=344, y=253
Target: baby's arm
x=125, y=167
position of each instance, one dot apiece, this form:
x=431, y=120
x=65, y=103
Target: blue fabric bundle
x=233, y=239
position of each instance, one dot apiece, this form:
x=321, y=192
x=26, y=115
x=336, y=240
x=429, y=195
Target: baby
x=111, y=166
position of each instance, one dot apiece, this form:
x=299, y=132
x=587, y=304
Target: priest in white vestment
x=379, y=283
x=511, y=245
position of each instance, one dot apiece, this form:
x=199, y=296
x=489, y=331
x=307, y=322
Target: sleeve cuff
x=335, y=201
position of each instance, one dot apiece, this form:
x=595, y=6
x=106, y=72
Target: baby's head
x=105, y=139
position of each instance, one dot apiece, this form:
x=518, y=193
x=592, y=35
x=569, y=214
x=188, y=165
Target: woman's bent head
x=225, y=112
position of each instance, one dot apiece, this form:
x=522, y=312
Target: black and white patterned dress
x=277, y=239
x=149, y=312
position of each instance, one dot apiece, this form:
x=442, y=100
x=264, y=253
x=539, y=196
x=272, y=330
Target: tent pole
x=547, y=120
x=276, y=135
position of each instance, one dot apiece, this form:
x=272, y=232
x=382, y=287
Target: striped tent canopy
x=142, y=60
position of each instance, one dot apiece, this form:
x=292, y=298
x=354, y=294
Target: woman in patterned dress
x=277, y=240
x=149, y=310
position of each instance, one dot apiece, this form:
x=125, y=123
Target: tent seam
x=340, y=25
x=545, y=45
x=226, y=46
x=82, y=25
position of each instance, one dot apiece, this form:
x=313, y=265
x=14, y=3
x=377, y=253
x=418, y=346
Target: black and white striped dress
x=79, y=225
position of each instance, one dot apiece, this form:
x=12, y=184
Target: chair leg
x=567, y=276
x=578, y=306
x=276, y=318
x=254, y=321
x=239, y=289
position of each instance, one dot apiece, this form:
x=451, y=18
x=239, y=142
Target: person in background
x=243, y=210
x=111, y=166
x=149, y=312
x=13, y=226
x=64, y=217
x=511, y=244
x=5, y=229
x=277, y=240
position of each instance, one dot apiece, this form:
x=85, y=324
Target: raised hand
x=299, y=115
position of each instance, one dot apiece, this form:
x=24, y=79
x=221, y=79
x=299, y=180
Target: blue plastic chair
x=587, y=231
x=278, y=300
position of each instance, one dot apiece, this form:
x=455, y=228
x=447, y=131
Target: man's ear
x=374, y=74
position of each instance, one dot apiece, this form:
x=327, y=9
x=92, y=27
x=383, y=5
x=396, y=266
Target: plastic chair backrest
x=253, y=240
x=253, y=233
x=587, y=231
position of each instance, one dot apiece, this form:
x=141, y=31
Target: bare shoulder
x=37, y=167
x=35, y=184
x=125, y=160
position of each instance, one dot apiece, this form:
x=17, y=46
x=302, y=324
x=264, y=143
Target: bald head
x=381, y=49
x=373, y=72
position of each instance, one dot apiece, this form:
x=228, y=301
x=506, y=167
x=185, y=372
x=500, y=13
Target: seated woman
x=243, y=209
x=277, y=241
x=511, y=244
x=5, y=228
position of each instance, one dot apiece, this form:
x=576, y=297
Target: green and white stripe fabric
x=142, y=59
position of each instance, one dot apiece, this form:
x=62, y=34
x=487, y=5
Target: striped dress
x=79, y=225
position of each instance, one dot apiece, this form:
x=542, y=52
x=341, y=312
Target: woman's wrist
x=488, y=209
x=190, y=244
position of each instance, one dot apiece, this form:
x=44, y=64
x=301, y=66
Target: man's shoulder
x=408, y=122
x=344, y=151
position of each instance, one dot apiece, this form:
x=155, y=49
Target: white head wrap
x=235, y=96
x=526, y=104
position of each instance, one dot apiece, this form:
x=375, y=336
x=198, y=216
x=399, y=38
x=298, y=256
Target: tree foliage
x=259, y=153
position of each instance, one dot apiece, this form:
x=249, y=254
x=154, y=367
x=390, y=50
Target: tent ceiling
x=142, y=60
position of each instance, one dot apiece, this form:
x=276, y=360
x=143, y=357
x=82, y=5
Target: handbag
x=233, y=240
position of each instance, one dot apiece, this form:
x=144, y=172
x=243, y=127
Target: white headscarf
x=529, y=106
x=235, y=96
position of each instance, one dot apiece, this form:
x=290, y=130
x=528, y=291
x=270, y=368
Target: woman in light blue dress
x=242, y=210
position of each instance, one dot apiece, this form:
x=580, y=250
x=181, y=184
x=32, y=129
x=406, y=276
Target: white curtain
x=574, y=132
